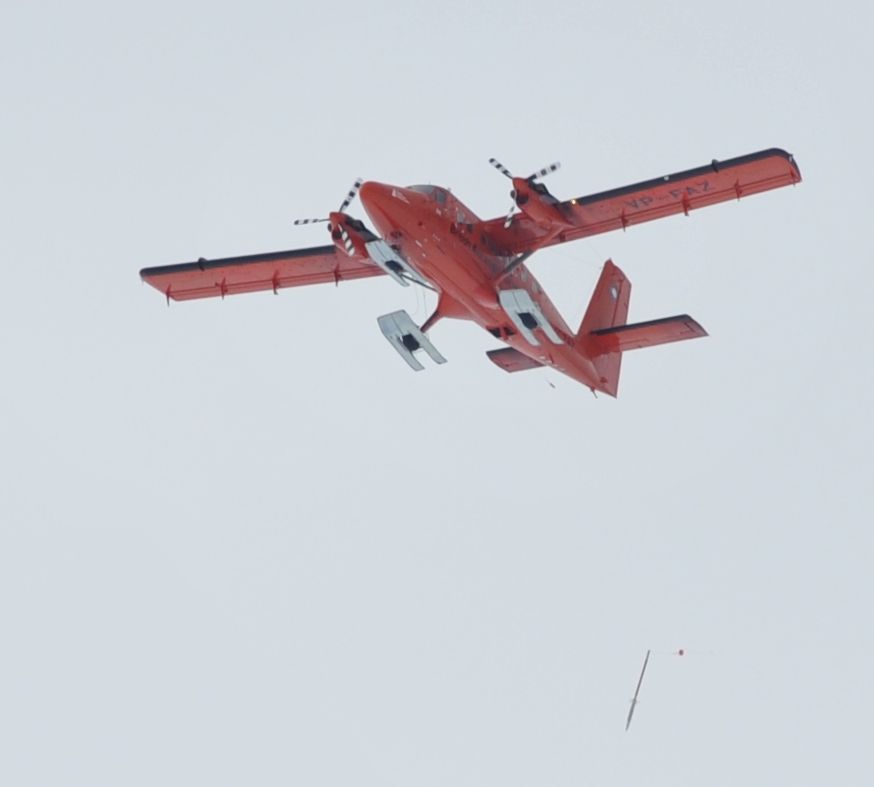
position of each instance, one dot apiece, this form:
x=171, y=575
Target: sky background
x=242, y=543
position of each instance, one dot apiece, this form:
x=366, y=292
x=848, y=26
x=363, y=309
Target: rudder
x=607, y=308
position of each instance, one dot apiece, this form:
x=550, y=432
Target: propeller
x=335, y=220
x=521, y=183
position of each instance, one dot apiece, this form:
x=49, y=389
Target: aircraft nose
x=380, y=205
x=373, y=192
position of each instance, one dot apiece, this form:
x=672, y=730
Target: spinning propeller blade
x=509, y=220
x=347, y=201
x=540, y=173
x=347, y=242
x=500, y=167
x=353, y=192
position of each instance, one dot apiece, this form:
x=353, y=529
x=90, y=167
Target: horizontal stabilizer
x=511, y=360
x=645, y=334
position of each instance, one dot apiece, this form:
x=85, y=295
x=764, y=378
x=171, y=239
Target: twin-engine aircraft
x=427, y=236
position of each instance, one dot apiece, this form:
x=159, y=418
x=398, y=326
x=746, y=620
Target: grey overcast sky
x=241, y=543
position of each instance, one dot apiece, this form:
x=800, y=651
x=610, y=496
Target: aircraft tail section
x=609, y=303
x=605, y=335
x=646, y=334
x=607, y=308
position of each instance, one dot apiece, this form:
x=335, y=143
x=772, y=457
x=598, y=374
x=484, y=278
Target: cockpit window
x=434, y=192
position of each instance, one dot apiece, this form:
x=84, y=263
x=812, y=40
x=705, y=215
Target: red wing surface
x=234, y=275
x=682, y=192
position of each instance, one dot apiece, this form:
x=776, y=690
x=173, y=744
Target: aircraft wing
x=619, y=208
x=273, y=271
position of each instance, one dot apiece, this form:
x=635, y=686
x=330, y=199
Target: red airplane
x=429, y=237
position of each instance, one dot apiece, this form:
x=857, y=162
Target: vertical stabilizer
x=607, y=308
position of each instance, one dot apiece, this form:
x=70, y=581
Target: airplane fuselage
x=445, y=242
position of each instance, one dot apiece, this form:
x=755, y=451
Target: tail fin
x=607, y=308
x=605, y=335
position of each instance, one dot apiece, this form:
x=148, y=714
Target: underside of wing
x=668, y=195
x=257, y=272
